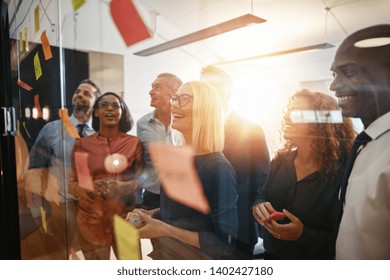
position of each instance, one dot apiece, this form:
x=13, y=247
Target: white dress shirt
x=365, y=226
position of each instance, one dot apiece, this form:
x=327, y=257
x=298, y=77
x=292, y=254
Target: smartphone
x=276, y=216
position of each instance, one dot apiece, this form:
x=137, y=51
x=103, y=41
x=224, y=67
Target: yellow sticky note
x=26, y=46
x=36, y=18
x=64, y=116
x=77, y=4
x=127, y=240
x=43, y=216
x=37, y=67
x=21, y=47
x=25, y=129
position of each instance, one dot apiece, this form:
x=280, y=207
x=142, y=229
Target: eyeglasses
x=106, y=104
x=183, y=99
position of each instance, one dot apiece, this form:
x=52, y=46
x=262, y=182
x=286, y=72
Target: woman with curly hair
x=304, y=180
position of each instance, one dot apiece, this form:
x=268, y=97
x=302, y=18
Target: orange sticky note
x=82, y=170
x=77, y=4
x=63, y=113
x=175, y=166
x=51, y=193
x=128, y=21
x=46, y=46
x=36, y=18
x=37, y=67
x=24, y=85
x=127, y=240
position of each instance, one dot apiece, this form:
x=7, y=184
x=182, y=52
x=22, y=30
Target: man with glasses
x=47, y=177
x=156, y=126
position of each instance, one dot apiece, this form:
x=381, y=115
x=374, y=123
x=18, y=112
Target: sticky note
x=24, y=85
x=46, y=46
x=128, y=21
x=51, y=193
x=43, y=217
x=26, y=45
x=82, y=169
x=21, y=44
x=37, y=67
x=26, y=130
x=36, y=18
x=127, y=240
x=37, y=105
x=77, y=4
x=63, y=113
x=176, y=169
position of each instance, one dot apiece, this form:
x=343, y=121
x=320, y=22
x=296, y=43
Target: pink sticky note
x=175, y=166
x=82, y=169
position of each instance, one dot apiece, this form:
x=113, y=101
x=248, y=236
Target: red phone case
x=276, y=216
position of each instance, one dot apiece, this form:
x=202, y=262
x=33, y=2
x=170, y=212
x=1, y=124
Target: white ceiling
x=290, y=23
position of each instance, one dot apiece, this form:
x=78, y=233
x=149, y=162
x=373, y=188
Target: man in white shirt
x=362, y=84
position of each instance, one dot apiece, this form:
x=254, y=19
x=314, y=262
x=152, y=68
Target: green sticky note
x=77, y=4
x=37, y=67
x=127, y=240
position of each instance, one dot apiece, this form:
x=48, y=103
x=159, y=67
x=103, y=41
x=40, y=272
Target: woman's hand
x=262, y=211
x=153, y=227
x=290, y=231
x=109, y=188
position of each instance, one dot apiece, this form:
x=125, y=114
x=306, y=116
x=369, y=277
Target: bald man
x=361, y=70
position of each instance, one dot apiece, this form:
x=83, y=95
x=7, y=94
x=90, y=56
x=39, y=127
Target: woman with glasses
x=304, y=179
x=104, y=167
x=182, y=232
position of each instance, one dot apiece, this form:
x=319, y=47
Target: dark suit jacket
x=247, y=151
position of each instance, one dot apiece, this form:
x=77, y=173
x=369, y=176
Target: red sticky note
x=37, y=105
x=176, y=169
x=128, y=21
x=82, y=169
x=24, y=85
x=46, y=46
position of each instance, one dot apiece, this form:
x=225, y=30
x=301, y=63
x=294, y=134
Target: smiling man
x=156, y=126
x=361, y=70
x=50, y=160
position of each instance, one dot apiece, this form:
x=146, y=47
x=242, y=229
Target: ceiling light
x=279, y=53
x=211, y=31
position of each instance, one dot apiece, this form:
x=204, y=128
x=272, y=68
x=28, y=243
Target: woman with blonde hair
x=304, y=179
x=182, y=232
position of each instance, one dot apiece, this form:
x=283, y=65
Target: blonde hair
x=207, y=118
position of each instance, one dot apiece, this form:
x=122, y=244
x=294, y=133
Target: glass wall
x=47, y=67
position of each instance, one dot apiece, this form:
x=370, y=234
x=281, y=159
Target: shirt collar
x=75, y=121
x=380, y=126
